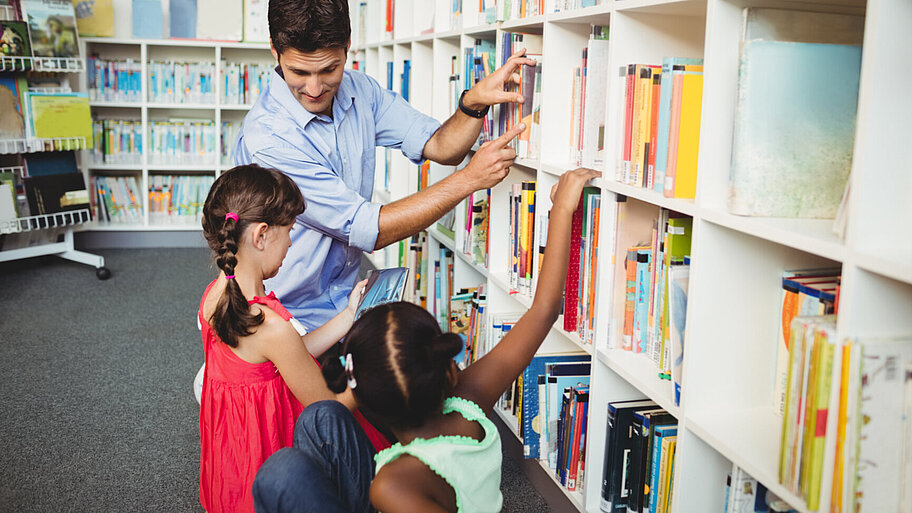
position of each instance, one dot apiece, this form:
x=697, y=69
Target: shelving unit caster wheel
x=103, y=273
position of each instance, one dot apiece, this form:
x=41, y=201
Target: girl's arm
x=282, y=346
x=322, y=338
x=485, y=380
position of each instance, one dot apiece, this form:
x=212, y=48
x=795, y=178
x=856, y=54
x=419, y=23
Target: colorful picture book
x=148, y=19
x=14, y=39
x=65, y=115
x=52, y=27
x=95, y=17
x=12, y=121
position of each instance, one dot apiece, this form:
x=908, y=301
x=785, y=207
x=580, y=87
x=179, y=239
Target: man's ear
x=273, y=50
x=258, y=235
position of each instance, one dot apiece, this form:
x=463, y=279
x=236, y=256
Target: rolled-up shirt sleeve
x=332, y=208
x=399, y=125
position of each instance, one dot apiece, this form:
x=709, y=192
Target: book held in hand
x=383, y=286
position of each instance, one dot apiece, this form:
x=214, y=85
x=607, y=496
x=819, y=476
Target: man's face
x=313, y=77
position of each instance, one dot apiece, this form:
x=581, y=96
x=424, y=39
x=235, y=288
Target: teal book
x=794, y=128
x=664, y=122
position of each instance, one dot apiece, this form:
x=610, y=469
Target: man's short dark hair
x=309, y=25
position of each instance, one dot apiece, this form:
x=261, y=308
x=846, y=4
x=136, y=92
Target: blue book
x=641, y=305
x=147, y=19
x=659, y=433
x=531, y=426
x=183, y=19
x=559, y=377
x=664, y=122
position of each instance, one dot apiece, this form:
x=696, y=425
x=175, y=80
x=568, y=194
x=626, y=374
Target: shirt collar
x=280, y=91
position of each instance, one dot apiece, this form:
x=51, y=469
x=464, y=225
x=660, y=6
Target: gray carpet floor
x=96, y=407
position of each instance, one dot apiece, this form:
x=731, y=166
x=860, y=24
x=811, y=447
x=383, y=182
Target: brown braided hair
x=257, y=195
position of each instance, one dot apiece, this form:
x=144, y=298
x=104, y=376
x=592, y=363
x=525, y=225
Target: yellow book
x=95, y=17
x=60, y=115
x=689, y=136
x=669, y=478
x=641, y=123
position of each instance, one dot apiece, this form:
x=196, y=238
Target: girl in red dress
x=260, y=372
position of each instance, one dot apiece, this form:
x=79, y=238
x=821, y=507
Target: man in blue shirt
x=320, y=124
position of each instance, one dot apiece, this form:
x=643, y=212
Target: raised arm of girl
x=485, y=380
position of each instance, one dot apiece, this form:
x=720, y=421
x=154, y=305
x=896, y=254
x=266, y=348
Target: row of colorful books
x=523, y=249
x=570, y=5
x=662, y=126
x=478, y=62
x=118, y=199
x=48, y=112
x=117, y=141
x=114, y=80
x=590, y=82
x=527, y=144
x=242, y=83
x=177, y=199
x=468, y=319
x=181, y=82
x=846, y=442
x=182, y=141
x=745, y=494
x=40, y=28
x=638, y=471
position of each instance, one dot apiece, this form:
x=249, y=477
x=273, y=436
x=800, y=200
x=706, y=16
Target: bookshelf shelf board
x=235, y=106
x=575, y=497
x=667, y=7
x=106, y=166
x=555, y=169
x=183, y=167
x=572, y=337
x=725, y=432
x=193, y=43
x=894, y=270
x=481, y=31
x=116, y=105
x=809, y=235
x=509, y=419
x=449, y=34
x=642, y=373
x=44, y=221
x=448, y=242
x=33, y=145
x=467, y=259
x=533, y=24
x=532, y=164
x=182, y=106
x=684, y=206
x=382, y=195
x=597, y=14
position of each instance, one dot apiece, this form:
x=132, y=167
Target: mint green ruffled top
x=470, y=466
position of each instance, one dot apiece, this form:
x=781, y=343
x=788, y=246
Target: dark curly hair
x=400, y=362
x=309, y=25
x=256, y=195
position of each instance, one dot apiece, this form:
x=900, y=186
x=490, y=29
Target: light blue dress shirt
x=332, y=161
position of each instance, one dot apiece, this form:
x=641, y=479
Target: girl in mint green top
x=399, y=367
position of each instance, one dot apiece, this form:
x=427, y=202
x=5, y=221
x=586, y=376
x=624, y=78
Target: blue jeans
x=328, y=469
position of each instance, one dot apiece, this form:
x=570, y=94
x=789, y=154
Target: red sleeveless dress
x=247, y=412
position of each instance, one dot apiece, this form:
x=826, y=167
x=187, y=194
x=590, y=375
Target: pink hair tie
x=229, y=276
x=231, y=215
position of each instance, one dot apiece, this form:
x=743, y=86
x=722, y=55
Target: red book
x=653, y=127
x=571, y=286
x=628, y=116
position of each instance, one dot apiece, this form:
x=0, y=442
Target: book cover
x=633, y=230
x=12, y=123
x=383, y=286
x=664, y=120
x=559, y=377
x=593, y=154
x=688, y=146
x=256, y=23
x=793, y=137
x=182, y=15
x=56, y=193
x=617, y=446
x=95, y=17
x=644, y=425
x=571, y=284
x=531, y=421
x=14, y=39
x=655, y=479
x=221, y=20
x=147, y=19
x=60, y=115
x=50, y=163
x=679, y=278
x=52, y=27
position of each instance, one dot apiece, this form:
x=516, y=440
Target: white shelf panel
x=235, y=106
x=809, y=235
x=108, y=166
x=183, y=167
x=684, y=206
x=894, y=270
x=669, y=7
x=529, y=22
x=482, y=270
x=725, y=431
x=193, y=43
x=596, y=14
x=116, y=105
x=532, y=164
x=441, y=238
x=182, y=106
x=643, y=374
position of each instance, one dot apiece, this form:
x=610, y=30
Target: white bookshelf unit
x=726, y=413
x=146, y=168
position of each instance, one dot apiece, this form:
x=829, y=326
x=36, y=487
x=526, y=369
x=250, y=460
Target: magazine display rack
x=40, y=235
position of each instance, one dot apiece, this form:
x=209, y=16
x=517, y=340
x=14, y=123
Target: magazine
x=52, y=24
x=383, y=286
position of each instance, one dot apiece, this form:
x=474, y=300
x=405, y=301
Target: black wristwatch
x=469, y=112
